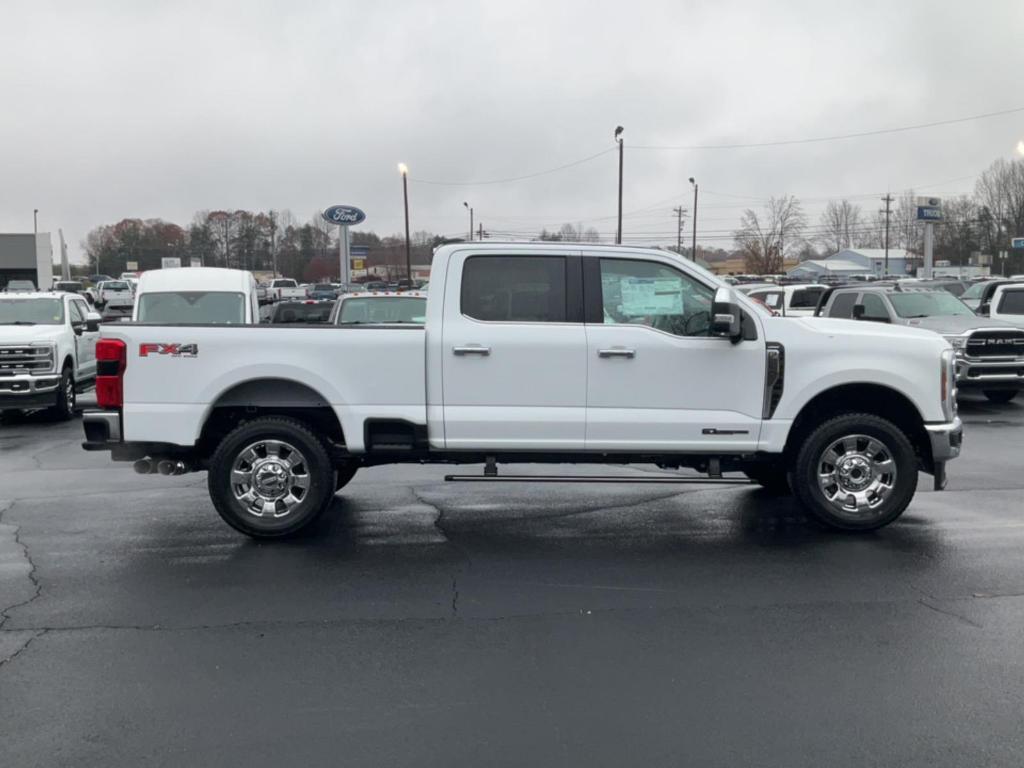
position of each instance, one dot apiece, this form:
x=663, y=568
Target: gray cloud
x=115, y=109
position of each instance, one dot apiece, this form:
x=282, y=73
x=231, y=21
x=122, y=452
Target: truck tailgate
x=175, y=374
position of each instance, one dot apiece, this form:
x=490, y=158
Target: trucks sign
x=1017, y=242
x=345, y=215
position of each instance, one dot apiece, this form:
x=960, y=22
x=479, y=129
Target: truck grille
x=1006, y=343
x=21, y=360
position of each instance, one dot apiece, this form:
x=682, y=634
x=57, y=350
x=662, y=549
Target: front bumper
x=24, y=391
x=946, y=439
x=981, y=374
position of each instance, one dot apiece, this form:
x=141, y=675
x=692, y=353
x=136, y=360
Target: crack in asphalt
x=952, y=614
x=36, y=634
x=5, y=613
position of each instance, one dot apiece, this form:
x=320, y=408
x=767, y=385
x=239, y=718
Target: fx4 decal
x=174, y=350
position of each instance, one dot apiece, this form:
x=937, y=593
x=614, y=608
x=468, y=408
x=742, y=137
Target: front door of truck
x=658, y=381
x=514, y=352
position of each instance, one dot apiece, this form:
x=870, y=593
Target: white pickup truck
x=285, y=289
x=47, y=351
x=539, y=353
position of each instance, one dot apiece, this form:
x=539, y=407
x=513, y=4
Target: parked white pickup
x=537, y=353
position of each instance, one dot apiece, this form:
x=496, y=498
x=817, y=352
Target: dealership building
x=852, y=262
x=26, y=257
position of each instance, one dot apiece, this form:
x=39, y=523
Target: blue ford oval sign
x=345, y=215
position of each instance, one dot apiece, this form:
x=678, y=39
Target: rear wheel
x=271, y=477
x=1000, y=395
x=856, y=472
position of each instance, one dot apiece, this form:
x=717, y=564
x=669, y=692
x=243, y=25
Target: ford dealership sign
x=345, y=215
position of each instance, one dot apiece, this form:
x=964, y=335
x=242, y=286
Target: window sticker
x=651, y=296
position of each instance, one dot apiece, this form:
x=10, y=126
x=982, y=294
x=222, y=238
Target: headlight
x=959, y=344
x=947, y=384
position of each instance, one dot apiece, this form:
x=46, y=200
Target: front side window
x=1012, y=303
x=31, y=312
x=201, y=307
x=77, y=316
x=874, y=307
x=655, y=295
x=517, y=289
x=842, y=305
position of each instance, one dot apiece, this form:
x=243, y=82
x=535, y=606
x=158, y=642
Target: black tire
x=344, y=475
x=64, y=407
x=771, y=477
x=1000, y=396
x=311, y=467
x=878, y=468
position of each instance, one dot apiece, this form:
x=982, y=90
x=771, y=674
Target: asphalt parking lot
x=425, y=623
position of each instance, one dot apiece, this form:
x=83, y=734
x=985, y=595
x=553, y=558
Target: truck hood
x=859, y=328
x=956, y=324
x=26, y=334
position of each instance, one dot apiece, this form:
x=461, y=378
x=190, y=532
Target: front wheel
x=856, y=472
x=999, y=395
x=64, y=407
x=271, y=477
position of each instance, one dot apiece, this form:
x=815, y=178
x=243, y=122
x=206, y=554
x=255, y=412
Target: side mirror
x=858, y=311
x=985, y=310
x=725, y=316
x=77, y=326
x=92, y=324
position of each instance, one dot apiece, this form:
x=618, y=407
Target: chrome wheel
x=69, y=392
x=269, y=478
x=856, y=474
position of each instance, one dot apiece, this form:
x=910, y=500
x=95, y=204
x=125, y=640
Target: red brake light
x=111, y=359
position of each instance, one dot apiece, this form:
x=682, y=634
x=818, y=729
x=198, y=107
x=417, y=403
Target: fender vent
x=774, y=378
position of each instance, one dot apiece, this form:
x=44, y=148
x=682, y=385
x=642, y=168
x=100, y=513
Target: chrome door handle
x=616, y=352
x=472, y=349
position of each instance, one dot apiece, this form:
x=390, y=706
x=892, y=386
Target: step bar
x=596, y=479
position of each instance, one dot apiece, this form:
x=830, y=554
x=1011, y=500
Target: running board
x=594, y=479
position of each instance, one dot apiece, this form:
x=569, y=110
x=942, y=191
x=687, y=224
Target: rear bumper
x=23, y=391
x=102, y=430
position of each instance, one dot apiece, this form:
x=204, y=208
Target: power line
x=837, y=137
x=514, y=178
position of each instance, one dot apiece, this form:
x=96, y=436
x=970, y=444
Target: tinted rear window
x=806, y=298
x=1012, y=303
x=383, y=309
x=525, y=289
x=115, y=285
x=299, y=312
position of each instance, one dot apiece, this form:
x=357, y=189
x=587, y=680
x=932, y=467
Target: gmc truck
x=537, y=353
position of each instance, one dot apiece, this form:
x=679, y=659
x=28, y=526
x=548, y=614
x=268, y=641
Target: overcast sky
x=144, y=109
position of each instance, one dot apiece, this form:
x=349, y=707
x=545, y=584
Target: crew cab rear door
x=514, y=351
x=658, y=381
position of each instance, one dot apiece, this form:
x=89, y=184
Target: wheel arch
x=877, y=399
x=268, y=396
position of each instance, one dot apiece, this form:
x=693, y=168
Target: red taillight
x=111, y=359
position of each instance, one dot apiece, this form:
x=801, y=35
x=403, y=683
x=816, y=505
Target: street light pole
x=618, y=138
x=35, y=221
x=470, y=221
x=693, y=253
x=404, y=170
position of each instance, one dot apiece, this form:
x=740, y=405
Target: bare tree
x=1000, y=193
x=840, y=226
x=764, y=240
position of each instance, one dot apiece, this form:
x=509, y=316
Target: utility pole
x=679, y=211
x=470, y=209
x=35, y=221
x=481, y=234
x=693, y=253
x=402, y=169
x=888, y=212
x=618, y=231
x=273, y=239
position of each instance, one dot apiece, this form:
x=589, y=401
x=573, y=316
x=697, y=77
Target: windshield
x=203, y=307
x=383, y=309
x=31, y=312
x=930, y=304
x=300, y=312
x=74, y=287
x=21, y=285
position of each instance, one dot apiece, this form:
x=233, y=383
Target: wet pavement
x=431, y=623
